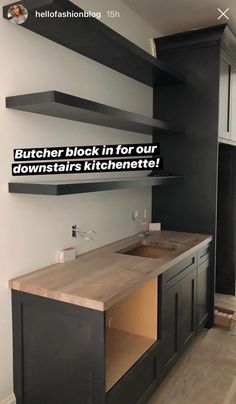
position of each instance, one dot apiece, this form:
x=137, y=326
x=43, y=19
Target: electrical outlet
x=154, y=226
x=74, y=231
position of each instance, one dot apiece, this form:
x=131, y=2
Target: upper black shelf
x=60, y=105
x=92, y=38
x=57, y=188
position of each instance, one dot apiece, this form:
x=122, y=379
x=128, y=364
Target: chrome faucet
x=83, y=234
x=143, y=234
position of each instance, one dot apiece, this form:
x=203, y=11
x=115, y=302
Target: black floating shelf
x=85, y=186
x=60, y=105
x=95, y=40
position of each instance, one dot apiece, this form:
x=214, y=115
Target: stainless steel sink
x=147, y=250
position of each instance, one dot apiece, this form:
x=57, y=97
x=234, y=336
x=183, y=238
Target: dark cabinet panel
x=179, y=271
x=226, y=221
x=139, y=382
x=171, y=325
x=202, y=293
x=196, y=106
x=188, y=308
x=178, y=314
x=58, y=352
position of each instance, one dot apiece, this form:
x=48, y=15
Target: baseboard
x=9, y=400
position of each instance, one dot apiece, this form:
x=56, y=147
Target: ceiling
x=171, y=16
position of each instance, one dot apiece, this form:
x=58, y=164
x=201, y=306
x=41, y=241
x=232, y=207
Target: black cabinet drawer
x=203, y=254
x=179, y=271
x=136, y=386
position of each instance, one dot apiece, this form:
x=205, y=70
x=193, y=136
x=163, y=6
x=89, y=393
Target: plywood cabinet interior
x=131, y=329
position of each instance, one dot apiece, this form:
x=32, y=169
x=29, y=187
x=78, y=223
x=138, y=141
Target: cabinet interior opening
x=131, y=329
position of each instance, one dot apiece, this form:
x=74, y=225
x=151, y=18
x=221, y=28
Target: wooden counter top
x=100, y=278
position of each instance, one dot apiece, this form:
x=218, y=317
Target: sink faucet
x=143, y=234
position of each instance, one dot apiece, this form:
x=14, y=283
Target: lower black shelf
x=57, y=188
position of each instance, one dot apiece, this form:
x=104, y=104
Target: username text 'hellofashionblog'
x=68, y=14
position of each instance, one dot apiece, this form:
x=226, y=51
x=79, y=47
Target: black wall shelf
x=95, y=40
x=60, y=105
x=57, y=188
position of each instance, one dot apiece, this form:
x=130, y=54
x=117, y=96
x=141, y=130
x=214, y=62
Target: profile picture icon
x=17, y=14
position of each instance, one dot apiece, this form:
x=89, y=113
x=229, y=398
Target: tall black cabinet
x=226, y=221
x=204, y=106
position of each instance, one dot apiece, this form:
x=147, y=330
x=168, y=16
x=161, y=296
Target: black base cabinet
x=58, y=352
x=59, y=356
x=60, y=348
x=184, y=304
x=171, y=326
x=179, y=309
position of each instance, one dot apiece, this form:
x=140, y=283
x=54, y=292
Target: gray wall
x=33, y=228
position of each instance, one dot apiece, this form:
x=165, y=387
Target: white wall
x=33, y=228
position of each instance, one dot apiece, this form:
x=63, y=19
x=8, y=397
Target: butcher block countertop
x=100, y=278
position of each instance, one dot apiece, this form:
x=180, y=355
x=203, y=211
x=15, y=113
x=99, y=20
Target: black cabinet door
x=58, y=352
x=188, y=309
x=171, y=325
x=178, y=318
x=202, y=293
x=226, y=221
